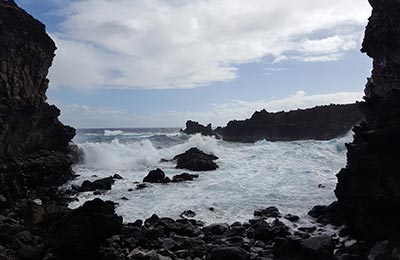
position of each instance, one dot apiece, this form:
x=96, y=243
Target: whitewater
x=293, y=176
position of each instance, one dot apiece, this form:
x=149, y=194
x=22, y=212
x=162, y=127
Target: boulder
x=184, y=177
x=79, y=233
x=101, y=184
x=270, y=212
x=196, y=160
x=156, y=176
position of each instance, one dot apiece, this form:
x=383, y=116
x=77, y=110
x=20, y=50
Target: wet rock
x=156, y=176
x=184, y=177
x=196, y=160
x=101, y=184
x=292, y=218
x=141, y=186
x=188, y=214
x=270, y=212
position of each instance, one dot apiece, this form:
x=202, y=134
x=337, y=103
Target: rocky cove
x=36, y=158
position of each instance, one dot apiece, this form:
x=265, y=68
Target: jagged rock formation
x=33, y=142
x=369, y=187
x=318, y=123
x=193, y=127
x=27, y=123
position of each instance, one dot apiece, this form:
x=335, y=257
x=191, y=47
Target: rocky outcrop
x=27, y=123
x=196, y=160
x=79, y=233
x=34, y=144
x=368, y=188
x=318, y=123
x=193, y=127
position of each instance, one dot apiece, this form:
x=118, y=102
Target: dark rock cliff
x=369, y=187
x=33, y=142
x=318, y=123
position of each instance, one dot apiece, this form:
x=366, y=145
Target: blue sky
x=157, y=63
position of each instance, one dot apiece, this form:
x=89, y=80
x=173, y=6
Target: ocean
x=293, y=176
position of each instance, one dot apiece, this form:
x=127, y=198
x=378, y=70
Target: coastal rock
x=270, y=212
x=101, y=184
x=156, y=176
x=27, y=123
x=184, y=177
x=318, y=123
x=34, y=144
x=193, y=127
x=368, y=188
x=196, y=160
x=79, y=233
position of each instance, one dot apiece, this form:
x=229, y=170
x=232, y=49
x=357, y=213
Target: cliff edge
x=368, y=188
x=34, y=144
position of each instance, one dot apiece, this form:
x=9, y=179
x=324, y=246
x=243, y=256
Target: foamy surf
x=282, y=174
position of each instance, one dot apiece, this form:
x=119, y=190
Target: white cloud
x=189, y=43
x=84, y=116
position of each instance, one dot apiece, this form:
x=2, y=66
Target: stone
x=188, y=214
x=184, y=177
x=101, y=184
x=196, y=160
x=156, y=176
x=292, y=218
x=79, y=233
x=270, y=212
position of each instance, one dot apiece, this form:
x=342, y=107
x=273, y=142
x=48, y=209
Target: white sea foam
x=113, y=132
x=283, y=174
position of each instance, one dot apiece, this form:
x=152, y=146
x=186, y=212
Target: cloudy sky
x=154, y=63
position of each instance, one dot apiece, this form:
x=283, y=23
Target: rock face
x=27, y=122
x=318, y=123
x=369, y=186
x=33, y=142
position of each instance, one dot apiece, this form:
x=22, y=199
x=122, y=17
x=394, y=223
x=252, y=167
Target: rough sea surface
x=250, y=176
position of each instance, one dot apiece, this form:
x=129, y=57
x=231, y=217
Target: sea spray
x=283, y=174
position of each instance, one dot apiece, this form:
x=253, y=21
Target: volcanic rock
x=79, y=233
x=369, y=187
x=318, y=123
x=156, y=176
x=101, y=184
x=196, y=160
x=184, y=177
x=196, y=128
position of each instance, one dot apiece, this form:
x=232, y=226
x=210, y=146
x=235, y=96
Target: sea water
x=293, y=176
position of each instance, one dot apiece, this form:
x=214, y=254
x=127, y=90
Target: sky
x=158, y=63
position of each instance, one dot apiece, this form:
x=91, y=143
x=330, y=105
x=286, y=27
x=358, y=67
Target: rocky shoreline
x=36, y=158
x=317, y=123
